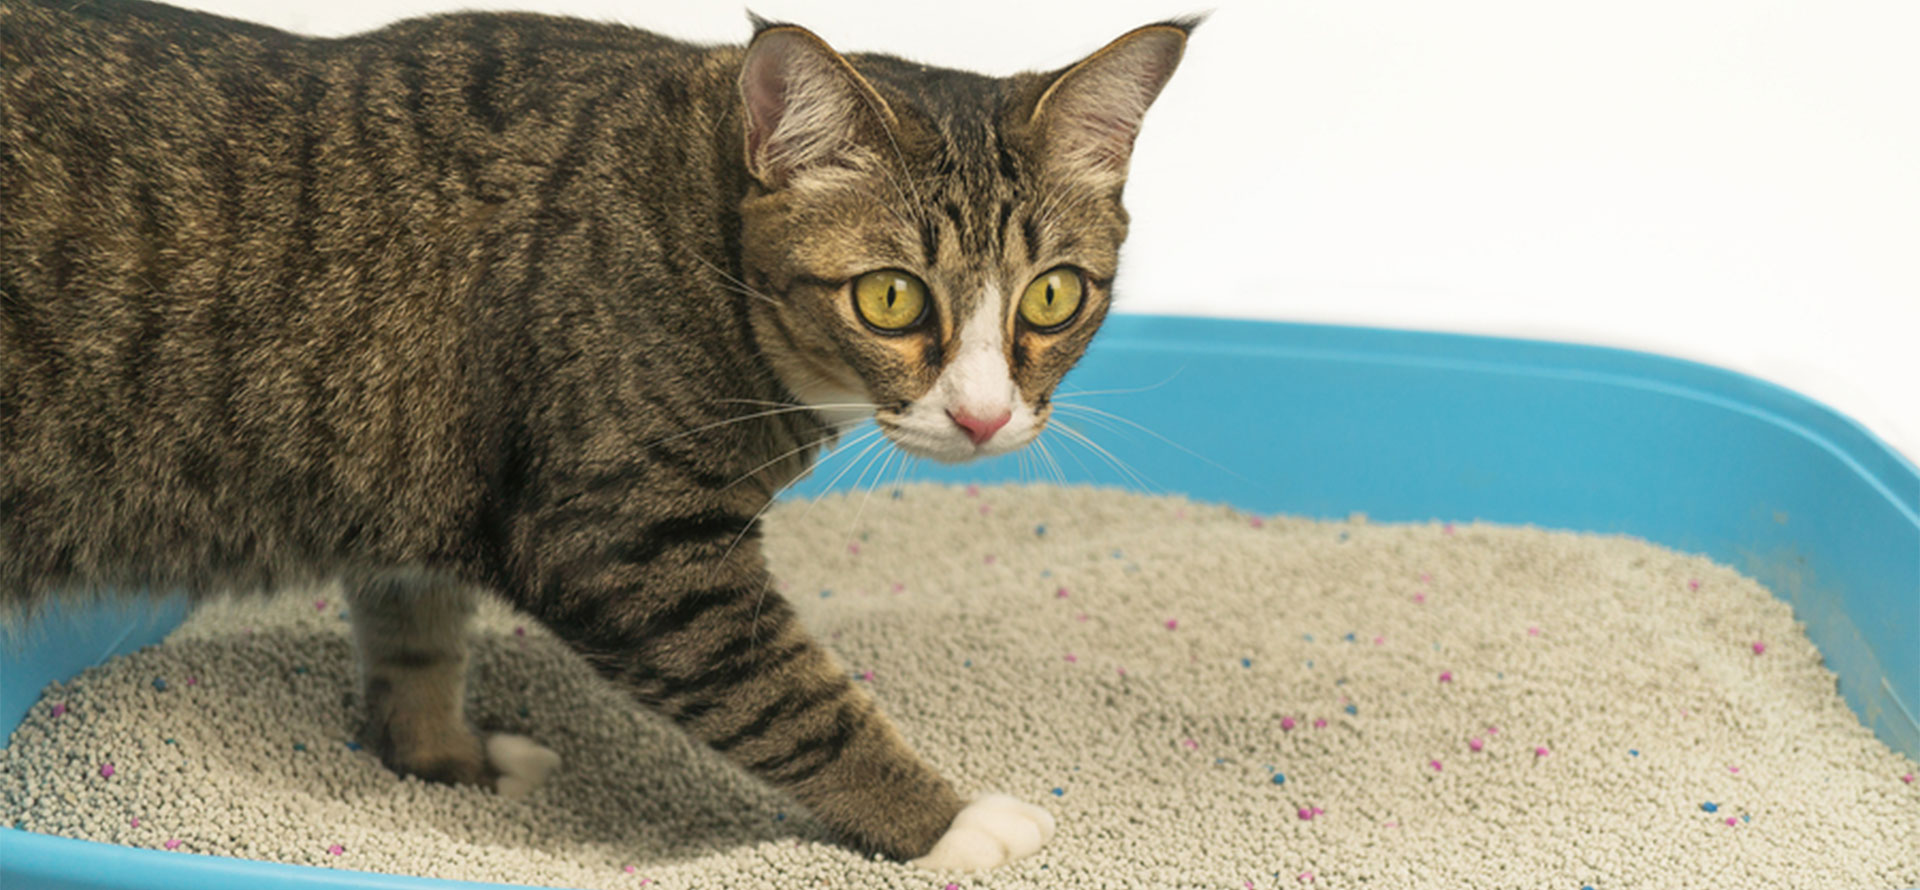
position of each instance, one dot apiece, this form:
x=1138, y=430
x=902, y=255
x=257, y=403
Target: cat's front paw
x=992, y=830
x=523, y=764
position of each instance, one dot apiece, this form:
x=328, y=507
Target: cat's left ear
x=806, y=108
x=1089, y=115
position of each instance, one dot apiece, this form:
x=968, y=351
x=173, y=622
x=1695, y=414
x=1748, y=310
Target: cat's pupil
x=891, y=290
x=1049, y=293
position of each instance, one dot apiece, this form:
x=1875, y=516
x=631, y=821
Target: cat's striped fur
x=518, y=303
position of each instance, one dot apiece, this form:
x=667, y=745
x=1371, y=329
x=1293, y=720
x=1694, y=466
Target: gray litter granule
x=1202, y=698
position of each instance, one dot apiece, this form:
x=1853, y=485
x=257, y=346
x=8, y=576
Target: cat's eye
x=1053, y=299
x=890, y=300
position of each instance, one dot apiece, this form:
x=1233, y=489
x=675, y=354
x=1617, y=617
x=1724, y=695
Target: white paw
x=523, y=763
x=993, y=830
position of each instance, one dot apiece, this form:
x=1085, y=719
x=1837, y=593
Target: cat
x=541, y=307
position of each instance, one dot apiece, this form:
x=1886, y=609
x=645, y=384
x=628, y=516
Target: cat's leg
x=409, y=629
x=683, y=615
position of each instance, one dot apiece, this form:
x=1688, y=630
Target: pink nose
x=979, y=430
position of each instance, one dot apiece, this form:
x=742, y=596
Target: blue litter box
x=1325, y=422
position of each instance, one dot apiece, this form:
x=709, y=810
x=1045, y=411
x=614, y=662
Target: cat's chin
x=951, y=451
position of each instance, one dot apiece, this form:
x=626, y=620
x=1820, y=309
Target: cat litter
x=1639, y=662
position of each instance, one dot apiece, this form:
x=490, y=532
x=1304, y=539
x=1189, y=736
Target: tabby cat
x=537, y=306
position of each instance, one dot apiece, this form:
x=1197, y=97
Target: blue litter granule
x=1352, y=710
x=1246, y=662
x=1710, y=806
x=1059, y=792
x=1279, y=778
x=159, y=684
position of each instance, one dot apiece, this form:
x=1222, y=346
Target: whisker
x=1132, y=474
x=799, y=404
x=1092, y=410
x=732, y=420
x=1100, y=422
x=836, y=433
x=1115, y=392
x=1059, y=477
x=843, y=470
x=742, y=287
x=775, y=497
x=886, y=458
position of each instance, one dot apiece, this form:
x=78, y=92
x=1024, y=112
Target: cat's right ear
x=806, y=108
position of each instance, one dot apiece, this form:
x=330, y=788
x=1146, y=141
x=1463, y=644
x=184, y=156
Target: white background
x=1731, y=181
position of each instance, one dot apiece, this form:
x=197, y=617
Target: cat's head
x=935, y=248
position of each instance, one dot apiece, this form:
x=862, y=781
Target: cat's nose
x=977, y=429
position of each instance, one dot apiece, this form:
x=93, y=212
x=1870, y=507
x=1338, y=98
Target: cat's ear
x=806, y=107
x=1089, y=115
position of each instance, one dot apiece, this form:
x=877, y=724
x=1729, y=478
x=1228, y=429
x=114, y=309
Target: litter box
x=1326, y=422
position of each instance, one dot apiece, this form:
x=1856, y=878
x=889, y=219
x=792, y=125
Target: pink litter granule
x=973, y=491
x=1286, y=723
x=1320, y=723
x=1191, y=744
x=1435, y=764
x=1419, y=597
x=1693, y=584
x=853, y=548
x=133, y=822
x=1306, y=813
x=1732, y=821
x=58, y=709
x=1173, y=623
x=1476, y=744
x=1377, y=641
x=336, y=850
x=173, y=843
x=1072, y=659
x=1258, y=522
x=1759, y=648
x=1908, y=778
x=1306, y=877
x=106, y=771
x=628, y=869
x=1493, y=730
x=1446, y=676
x=1541, y=752
x=319, y=605
x=1060, y=594
x=1533, y=631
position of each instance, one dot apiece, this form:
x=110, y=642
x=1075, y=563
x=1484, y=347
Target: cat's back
x=260, y=293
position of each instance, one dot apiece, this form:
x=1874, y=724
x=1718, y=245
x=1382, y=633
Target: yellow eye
x=890, y=299
x=1052, y=299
